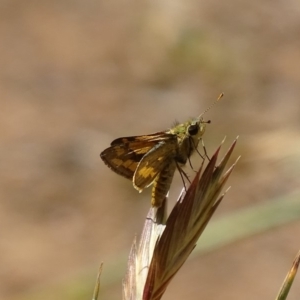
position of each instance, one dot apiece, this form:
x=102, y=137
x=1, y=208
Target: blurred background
x=74, y=75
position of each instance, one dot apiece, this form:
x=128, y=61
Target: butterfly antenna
x=219, y=98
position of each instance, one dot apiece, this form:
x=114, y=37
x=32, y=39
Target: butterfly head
x=196, y=128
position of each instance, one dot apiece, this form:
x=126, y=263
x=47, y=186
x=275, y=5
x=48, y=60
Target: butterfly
x=153, y=158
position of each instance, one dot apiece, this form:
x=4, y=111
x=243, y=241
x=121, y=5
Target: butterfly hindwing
x=153, y=162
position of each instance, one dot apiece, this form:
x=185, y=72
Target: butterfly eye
x=193, y=129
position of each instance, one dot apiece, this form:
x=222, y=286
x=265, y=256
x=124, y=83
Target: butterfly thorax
x=188, y=136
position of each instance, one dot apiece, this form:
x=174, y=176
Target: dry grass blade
x=184, y=226
x=97, y=285
x=140, y=257
x=288, y=281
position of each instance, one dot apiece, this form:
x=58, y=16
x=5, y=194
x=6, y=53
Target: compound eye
x=193, y=129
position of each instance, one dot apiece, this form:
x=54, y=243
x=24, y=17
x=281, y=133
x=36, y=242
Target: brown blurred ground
x=76, y=74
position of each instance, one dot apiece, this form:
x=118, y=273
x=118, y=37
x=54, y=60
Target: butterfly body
x=153, y=159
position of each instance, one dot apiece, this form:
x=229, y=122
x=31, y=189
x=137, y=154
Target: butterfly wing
x=154, y=161
x=125, y=153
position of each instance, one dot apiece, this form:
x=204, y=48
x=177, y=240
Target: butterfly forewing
x=135, y=141
x=121, y=161
x=125, y=153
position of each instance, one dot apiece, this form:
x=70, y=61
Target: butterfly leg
x=182, y=175
x=204, y=148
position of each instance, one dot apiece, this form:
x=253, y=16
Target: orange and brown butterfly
x=153, y=158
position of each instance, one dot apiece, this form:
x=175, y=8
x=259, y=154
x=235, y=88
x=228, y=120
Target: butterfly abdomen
x=162, y=183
